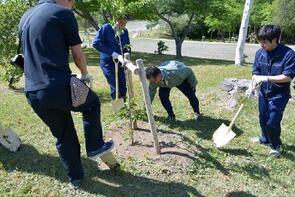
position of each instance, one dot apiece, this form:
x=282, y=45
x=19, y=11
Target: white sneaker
x=255, y=140
x=275, y=152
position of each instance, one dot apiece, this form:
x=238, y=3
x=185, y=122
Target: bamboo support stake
x=148, y=104
x=130, y=92
x=126, y=61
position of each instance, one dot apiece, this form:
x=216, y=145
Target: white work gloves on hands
x=250, y=93
x=117, y=56
x=85, y=77
x=257, y=79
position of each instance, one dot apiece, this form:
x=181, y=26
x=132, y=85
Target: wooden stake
x=130, y=89
x=148, y=104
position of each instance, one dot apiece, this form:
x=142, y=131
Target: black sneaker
x=106, y=148
x=171, y=119
x=198, y=116
x=75, y=184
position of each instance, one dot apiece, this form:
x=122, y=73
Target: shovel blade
x=117, y=104
x=223, y=136
x=110, y=160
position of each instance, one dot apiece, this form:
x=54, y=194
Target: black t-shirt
x=46, y=39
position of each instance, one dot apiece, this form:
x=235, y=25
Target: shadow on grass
x=149, y=58
x=288, y=152
x=239, y=194
x=205, y=127
x=164, y=145
x=237, y=152
x=103, y=182
x=17, y=90
x=256, y=172
x=202, y=155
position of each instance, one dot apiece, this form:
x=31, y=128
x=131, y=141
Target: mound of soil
x=175, y=152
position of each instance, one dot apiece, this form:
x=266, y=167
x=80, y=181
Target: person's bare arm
x=79, y=58
x=258, y=79
x=279, y=79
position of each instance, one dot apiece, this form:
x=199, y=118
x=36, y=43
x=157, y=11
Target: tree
x=87, y=11
x=261, y=14
x=10, y=14
x=179, y=16
x=222, y=16
x=97, y=12
x=284, y=16
x=239, y=60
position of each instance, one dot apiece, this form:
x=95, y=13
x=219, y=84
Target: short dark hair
x=152, y=71
x=269, y=32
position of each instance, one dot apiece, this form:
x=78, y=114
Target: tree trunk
x=239, y=59
x=87, y=16
x=178, y=42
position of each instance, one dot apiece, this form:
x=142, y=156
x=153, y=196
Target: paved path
x=210, y=50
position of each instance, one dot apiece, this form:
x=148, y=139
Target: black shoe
x=75, y=184
x=198, y=116
x=171, y=119
x=106, y=148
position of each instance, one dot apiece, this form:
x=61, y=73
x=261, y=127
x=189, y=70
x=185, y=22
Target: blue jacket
x=279, y=61
x=106, y=42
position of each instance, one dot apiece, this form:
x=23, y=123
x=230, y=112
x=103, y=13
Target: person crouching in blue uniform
x=112, y=42
x=273, y=71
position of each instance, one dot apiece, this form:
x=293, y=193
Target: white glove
x=85, y=77
x=250, y=92
x=258, y=79
x=9, y=139
x=115, y=55
x=121, y=59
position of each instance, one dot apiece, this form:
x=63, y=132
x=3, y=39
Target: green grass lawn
x=240, y=169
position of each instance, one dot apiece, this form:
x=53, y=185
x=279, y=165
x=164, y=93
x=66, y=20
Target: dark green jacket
x=174, y=73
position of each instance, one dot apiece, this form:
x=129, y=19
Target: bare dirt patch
x=176, y=152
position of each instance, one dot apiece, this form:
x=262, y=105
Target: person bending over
x=172, y=74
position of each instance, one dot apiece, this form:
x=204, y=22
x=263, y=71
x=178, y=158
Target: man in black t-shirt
x=48, y=31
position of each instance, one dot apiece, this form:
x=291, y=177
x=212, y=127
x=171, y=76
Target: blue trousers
x=109, y=72
x=54, y=106
x=270, y=116
x=185, y=88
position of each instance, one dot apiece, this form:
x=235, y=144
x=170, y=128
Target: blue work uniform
x=106, y=42
x=49, y=32
x=273, y=97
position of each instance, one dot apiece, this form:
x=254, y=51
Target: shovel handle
x=116, y=77
x=236, y=116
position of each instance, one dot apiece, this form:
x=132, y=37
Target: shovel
x=224, y=134
x=9, y=139
x=118, y=103
x=110, y=160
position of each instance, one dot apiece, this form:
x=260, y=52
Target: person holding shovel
x=112, y=42
x=48, y=32
x=172, y=74
x=273, y=71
